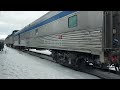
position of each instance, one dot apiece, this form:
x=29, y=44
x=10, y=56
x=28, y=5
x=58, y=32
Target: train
x=75, y=38
x=9, y=41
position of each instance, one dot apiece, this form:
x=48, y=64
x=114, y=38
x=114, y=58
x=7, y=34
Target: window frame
x=69, y=21
x=36, y=33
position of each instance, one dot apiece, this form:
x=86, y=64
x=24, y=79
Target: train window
x=36, y=32
x=72, y=21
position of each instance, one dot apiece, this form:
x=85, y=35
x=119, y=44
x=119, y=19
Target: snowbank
x=47, y=52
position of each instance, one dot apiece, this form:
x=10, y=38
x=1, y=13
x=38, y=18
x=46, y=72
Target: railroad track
x=101, y=73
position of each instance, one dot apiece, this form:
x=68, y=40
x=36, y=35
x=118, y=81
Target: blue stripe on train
x=58, y=16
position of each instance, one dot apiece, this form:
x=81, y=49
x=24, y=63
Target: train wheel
x=71, y=58
x=61, y=58
x=54, y=55
x=80, y=63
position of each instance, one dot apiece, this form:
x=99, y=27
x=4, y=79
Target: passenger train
x=75, y=38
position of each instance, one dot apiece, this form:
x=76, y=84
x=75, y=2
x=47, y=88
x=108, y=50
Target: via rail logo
x=60, y=36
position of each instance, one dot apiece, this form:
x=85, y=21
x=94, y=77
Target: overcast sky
x=16, y=20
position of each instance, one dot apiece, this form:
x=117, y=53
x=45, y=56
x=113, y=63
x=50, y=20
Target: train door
x=19, y=39
x=111, y=29
x=108, y=30
x=27, y=39
x=116, y=26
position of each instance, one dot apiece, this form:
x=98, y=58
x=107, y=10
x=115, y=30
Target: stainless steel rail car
x=9, y=41
x=74, y=37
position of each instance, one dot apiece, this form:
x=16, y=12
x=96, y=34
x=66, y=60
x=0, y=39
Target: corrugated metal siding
x=89, y=40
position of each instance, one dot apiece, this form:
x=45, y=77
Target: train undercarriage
x=80, y=60
x=76, y=59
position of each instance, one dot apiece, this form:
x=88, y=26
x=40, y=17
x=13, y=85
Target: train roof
x=14, y=32
x=47, y=18
x=8, y=36
x=31, y=24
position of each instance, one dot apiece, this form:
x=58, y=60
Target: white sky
x=16, y=20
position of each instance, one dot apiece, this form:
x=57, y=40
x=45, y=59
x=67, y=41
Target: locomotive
x=75, y=38
x=9, y=41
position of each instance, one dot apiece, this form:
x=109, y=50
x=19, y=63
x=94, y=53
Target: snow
x=19, y=65
x=41, y=51
x=112, y=68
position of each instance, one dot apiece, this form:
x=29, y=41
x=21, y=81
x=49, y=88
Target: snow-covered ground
x=19, y=65
x=41, y=51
